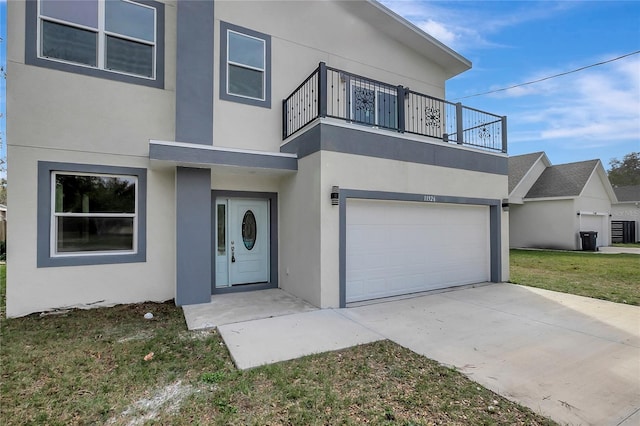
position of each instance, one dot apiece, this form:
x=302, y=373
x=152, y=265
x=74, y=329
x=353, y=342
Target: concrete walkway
x=616, y=250
x=574, y=359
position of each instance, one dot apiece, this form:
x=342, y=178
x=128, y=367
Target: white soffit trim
x=550, y=198
x=222, y=149
x=408, y=34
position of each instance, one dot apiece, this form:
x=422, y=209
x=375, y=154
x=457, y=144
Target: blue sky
x=590, y=114
x=585, y=115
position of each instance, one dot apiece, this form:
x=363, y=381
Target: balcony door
x=374, y=105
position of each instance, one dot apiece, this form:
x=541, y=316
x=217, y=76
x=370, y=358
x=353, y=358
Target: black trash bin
x=588, y=239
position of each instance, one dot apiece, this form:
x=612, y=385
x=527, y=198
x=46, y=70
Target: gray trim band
x=31, y=50
x=194, y=72
x=224, y=26
x=494, y=226
x=44, y=258
x=193, y=235
x=273, y=236
x=194, y=155
x=327, y=137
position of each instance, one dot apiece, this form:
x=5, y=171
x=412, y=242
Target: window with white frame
x=113, y=35
x=93, y=213
x=245, y=65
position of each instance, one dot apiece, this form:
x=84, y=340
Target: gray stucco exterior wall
x=193, y=236
x=194, y=72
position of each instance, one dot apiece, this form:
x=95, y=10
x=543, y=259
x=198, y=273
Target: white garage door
x=395, y=248
x=590, y=222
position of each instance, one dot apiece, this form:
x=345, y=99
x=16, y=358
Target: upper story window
x=114, y=39
x=245, y=62
x=116, y=35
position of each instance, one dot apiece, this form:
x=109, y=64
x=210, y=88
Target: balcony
x=333, y=93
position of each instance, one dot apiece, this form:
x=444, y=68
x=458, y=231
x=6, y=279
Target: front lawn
x=89, y=367
x=614, y=277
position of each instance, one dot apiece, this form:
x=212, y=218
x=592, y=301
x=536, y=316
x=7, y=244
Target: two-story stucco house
x=182, y=149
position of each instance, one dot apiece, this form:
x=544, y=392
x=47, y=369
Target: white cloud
x=470, y=25
x=597, y=106
x=439, y=31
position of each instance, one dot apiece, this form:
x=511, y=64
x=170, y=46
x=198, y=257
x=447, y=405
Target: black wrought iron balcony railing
x=330, y=92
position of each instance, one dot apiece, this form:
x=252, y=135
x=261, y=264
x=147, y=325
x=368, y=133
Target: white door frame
x=233, y=256
x=219, y=265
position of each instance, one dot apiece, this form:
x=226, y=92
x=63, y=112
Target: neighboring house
x=625, y=215
x=550, y=205
x=187, y=149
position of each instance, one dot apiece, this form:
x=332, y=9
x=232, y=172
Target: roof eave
x=542, y=157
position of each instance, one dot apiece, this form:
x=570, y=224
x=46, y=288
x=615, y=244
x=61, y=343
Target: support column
x=193, y=236
x=194, y=72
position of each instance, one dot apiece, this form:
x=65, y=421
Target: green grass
x=613, y=277
x=631, y=245
x=88, y=367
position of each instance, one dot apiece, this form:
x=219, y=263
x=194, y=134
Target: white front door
x=242, y=236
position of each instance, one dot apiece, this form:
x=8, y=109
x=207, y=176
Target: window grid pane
x=69, y=43
x=78, y=12
x=222, y=228
x=95, y=194
x=245, y=50
x=130, y=19
x=245, y=82
x=129, y=56
x=90, y=234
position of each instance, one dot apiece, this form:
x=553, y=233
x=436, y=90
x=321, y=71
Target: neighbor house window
x=245, y=63
x=121, y=38
x=93, y=213
x=90, y=214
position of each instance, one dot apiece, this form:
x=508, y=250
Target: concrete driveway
x=574, y=359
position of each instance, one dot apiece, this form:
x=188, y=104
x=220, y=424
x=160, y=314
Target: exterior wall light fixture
x=505, y=204
x=335, y=195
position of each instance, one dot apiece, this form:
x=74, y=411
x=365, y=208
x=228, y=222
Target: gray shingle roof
x=519, y=165
x=627, y=193
x=563, y=180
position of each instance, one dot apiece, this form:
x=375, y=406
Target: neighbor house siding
x=595, y=200
x=627, y=211
x=547, y=224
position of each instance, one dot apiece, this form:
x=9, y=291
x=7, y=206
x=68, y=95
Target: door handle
x=233, y=254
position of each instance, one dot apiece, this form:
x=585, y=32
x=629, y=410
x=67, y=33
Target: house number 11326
x=430, y=198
